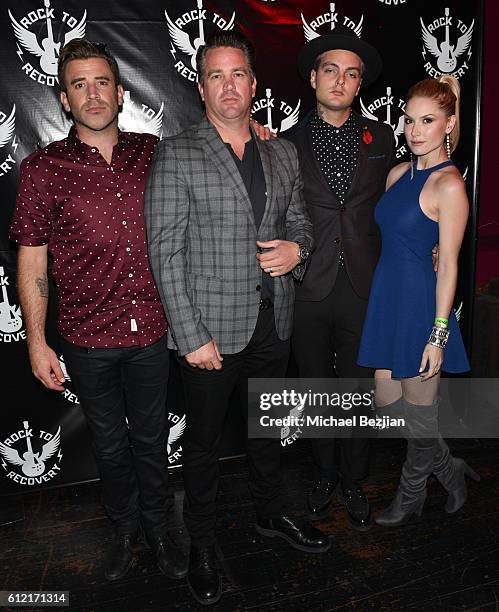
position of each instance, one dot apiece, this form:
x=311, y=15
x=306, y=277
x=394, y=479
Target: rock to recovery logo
x=446, y=45
x=138, y=117
x=11, y=321
x=68, y=393
x=8, y=137
x=390, y=110
x=332, y=18
x=25, y=466
x=289, y=115
x=288, y=434
x=46, y=47
x=188, y=41
x=177, y=427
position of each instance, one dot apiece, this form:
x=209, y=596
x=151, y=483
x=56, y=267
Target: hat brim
x=330, y=42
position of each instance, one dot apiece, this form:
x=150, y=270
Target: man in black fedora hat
x=345, y=160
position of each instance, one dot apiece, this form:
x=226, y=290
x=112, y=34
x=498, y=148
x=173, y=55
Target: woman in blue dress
x=410, y=332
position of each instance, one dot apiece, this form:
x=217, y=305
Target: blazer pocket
x=204, y=284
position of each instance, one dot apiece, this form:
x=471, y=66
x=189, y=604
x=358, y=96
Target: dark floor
x=442, y=562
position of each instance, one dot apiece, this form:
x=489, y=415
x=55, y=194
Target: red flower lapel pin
x=367, y=137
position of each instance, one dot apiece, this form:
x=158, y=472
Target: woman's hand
x=433, y=357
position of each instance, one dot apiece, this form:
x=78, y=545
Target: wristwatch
x=303, y=253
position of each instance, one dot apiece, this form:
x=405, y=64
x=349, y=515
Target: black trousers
x=325, y=342
x=115, y=386
x=207, y=395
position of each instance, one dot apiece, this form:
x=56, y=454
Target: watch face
x=304, y=253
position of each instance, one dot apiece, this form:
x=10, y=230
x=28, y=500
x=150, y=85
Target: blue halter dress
x=401, y=308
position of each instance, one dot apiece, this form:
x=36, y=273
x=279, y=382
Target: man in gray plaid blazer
x=227, y=227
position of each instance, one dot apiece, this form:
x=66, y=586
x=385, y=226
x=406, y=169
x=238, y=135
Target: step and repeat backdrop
x=43, y=436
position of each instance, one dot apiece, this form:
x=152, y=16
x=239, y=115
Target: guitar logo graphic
x=10, y=315
x=291, y=115
x=48, y=49
x=310, y=29
x=446, y=53
x=32, y=464
x=182, y=41
x=398, y=126
x=140, y=118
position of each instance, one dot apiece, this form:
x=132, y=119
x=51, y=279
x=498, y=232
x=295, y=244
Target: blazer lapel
x=216, y=150
x=361, y=161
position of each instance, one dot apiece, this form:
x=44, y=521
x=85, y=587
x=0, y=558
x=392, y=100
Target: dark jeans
x=207, y=400
x=325, y=341
x=116, y=385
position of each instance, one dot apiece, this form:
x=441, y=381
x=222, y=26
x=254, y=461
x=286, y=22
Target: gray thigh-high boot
x=421, y=431
x=450, y=472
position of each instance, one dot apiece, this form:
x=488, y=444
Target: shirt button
x=134, y=301
x=93, y=150
x=258, y=287
x=130, y=275
x=124, y=222
x=128, y=248
x=337, y=239
x=118, y=194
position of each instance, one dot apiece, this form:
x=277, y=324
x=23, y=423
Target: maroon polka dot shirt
x=90, y=213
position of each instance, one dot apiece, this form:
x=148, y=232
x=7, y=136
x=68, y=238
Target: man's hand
x=45, y=366
x=263, y=133
x=283, y=257
x=434, y=256
x=206, y=357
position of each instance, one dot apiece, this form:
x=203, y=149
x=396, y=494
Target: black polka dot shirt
x=337, y=151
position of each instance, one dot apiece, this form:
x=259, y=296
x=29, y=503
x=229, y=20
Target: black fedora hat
x=341, y=38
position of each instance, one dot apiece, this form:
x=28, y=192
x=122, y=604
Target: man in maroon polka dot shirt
x=81, y=199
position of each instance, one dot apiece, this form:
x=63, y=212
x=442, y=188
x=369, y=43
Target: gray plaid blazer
x=201, y=236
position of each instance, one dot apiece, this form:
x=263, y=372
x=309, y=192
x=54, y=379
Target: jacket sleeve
x=166, y=211
x=298, y=224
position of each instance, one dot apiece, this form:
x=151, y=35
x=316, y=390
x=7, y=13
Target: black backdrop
x=153, y=41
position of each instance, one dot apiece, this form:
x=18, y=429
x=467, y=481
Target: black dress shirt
x=251, y=171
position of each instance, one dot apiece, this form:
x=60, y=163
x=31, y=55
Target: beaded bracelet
x=439, y=336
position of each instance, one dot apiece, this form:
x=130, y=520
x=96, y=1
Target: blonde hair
x=447, y=92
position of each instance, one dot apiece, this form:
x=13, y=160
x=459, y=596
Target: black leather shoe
x=119, y=557
x=203, y=577
x=170, y=559
x=320, y=497
x=357, y=506
x=301, y=536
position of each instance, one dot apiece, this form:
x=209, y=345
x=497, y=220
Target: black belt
x=265, y=303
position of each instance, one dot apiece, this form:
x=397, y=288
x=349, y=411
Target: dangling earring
x=447, y=145
x=412, y=166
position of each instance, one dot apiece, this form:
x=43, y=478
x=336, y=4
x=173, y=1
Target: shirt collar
x=82, y=148
x=350, y=125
